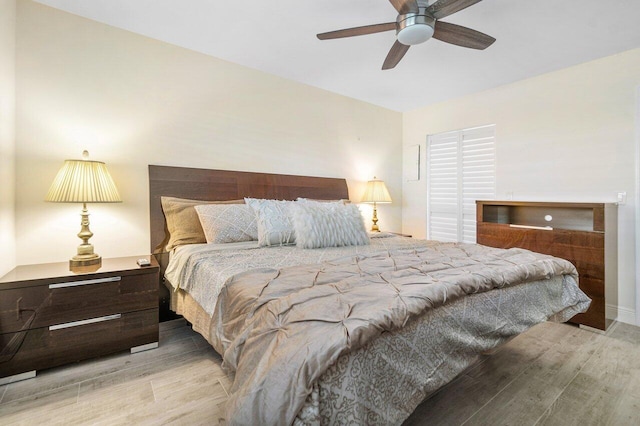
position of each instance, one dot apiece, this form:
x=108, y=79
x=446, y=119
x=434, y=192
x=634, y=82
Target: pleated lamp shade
x=83, y=181
x=376, y=192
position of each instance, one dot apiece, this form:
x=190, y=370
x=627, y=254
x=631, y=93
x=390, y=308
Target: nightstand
x=51, y=316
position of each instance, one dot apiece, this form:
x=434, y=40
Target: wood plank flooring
x=554, y=374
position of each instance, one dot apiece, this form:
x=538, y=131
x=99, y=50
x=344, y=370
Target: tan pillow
x=183, y=224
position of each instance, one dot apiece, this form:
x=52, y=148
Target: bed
x=345, y=335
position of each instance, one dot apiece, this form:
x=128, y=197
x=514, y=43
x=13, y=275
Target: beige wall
x=563, y=136
x=132, y=101
x=7, y=134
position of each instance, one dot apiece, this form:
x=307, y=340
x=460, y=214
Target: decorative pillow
x=227, y=223
x=328, y=225
x=274, y=221
x=183, y=225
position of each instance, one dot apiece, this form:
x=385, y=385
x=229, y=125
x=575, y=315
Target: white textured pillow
x=328, y=225
x=274, y=221
x=227, y=223
x=312, y=200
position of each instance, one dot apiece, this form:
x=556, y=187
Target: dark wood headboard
x=218, y=185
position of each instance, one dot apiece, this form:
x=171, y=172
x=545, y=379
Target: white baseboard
x=617, y=313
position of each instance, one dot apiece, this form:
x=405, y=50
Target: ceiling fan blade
x=443, y=8
x=405, y=6
x=350, y=32
x=462, y=36
x=395, y=55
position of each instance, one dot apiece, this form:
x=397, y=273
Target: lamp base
x=85, y=260
x=374, y=227
x=85, y=255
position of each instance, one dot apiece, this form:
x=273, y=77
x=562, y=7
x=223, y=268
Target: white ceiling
x=278, y=37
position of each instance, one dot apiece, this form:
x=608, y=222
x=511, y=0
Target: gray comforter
x=281, y=329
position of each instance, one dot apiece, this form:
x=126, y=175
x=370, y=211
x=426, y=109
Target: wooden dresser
x=51, y=316
x=586, y=234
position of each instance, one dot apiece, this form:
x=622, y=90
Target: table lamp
x=376, y=192
x=83, y=181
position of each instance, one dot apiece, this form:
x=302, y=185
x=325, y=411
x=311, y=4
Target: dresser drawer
x=46, y=347
x=66, y=301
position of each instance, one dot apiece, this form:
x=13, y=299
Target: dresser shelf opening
x=574, y=219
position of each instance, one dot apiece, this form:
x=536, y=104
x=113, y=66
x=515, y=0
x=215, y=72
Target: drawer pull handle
x=84, y=322
x=85, y=282
x=542, y=228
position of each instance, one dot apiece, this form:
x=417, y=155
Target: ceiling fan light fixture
x=415, y=34
x=415, y=28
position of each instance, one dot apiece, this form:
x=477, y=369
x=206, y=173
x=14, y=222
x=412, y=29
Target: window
x=460, y=170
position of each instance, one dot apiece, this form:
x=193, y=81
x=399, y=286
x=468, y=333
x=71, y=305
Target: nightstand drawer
x=74, y=300
x=70, y=342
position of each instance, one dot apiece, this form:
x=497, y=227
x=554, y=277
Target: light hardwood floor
x=554, y=374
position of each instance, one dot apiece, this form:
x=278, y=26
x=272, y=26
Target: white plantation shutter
x=460, y=170
x=442, y=184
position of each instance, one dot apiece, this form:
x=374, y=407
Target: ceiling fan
x=416, y=23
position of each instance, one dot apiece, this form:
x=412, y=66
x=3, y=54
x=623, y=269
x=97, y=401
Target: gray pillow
x=274, y=221
x=227, y=223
